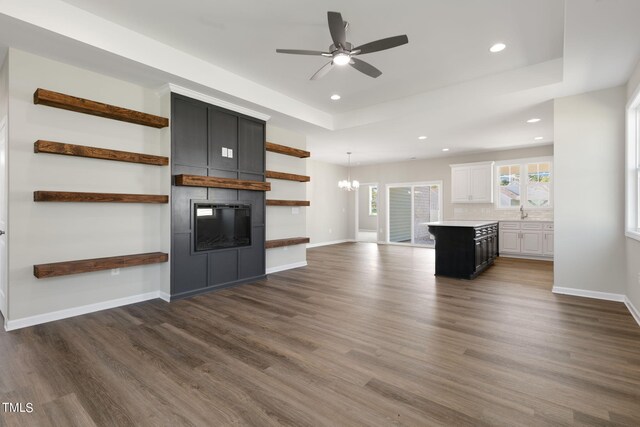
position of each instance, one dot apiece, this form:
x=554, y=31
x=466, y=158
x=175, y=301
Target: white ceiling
x=444, y=83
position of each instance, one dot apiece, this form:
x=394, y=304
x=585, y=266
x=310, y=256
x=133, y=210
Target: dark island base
x=464, y=252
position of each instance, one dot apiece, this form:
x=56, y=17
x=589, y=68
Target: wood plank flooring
x=365, y=335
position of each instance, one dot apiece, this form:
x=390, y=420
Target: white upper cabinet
x=472, y=183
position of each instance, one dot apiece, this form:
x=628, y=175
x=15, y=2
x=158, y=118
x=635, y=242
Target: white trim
x=11, y=325
x=632, y=234
x=589, y=294
x=286, y=267
x=489, y=162
x=164, y=296
x=332, y=242
x=522, y=256
x=632, y=309
x=170, y=87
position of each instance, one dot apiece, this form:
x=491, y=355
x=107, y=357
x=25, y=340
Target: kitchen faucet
x=522, y=214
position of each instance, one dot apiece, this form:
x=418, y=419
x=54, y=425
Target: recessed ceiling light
x=498, y=47
x=335, y=97
x=445, y=149
x=534, y=120
x=538, y=138
x=422, y=137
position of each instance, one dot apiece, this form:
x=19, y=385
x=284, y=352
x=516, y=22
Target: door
x=531, y=242
x=426, y=208
x=400, y=215
x=410, y=208
x=3, y=217
x=547, y=243
x=481, y=184
x=510, y=241
x=366, y=210
x=460, y=179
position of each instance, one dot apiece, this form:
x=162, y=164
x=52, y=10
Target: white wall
x=52, y=232
x=327, y=218
x=365, y=221
x=589, y=191
x=281, y=221
x=439, y=170
x=633, y=246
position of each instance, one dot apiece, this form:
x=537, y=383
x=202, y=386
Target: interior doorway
x=409, y=208
x=366, y=221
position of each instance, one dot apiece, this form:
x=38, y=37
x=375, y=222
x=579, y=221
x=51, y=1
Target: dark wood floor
x=365, y=335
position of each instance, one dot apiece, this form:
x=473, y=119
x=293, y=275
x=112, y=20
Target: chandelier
x=347, y=184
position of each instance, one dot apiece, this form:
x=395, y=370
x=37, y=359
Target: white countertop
x=462, y=223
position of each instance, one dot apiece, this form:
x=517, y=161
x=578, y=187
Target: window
x=373, y=200
x=524, y=182
x=633, y=167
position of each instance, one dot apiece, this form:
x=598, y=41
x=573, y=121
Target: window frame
x=524, y=180
x=371, y=187
x=632, y=167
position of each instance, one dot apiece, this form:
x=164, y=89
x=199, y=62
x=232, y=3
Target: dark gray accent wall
x=199, y=131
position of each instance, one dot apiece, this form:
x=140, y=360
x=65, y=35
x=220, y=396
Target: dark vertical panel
x=251, y=260
x=223, y=266
x=189, y=133
x=189, y=271
x=251, y=146
x=181, y=200
x=223, y=132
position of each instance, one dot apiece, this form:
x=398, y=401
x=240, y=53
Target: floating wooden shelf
x=67, y=196
x=96, y=264
x=269, y=244
x=272, y=202
x=94, y=108
x=51, y=147
x=215, y=182
x=287, y=176
x=289, y=151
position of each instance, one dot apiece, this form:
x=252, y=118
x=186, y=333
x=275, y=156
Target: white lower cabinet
x=526, y=238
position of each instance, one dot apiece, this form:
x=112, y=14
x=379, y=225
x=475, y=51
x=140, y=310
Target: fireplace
x=221, y=226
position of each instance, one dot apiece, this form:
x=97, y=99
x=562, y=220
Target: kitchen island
x=464, y=249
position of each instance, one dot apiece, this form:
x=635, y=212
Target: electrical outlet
x=230, y=153
x=330, y=231
x=225, y=151
x=115, y=271
x=295, y=211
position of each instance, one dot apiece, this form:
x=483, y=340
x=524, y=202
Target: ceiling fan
x=342, y=52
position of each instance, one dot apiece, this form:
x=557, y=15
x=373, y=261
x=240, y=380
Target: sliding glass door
x=410, y=207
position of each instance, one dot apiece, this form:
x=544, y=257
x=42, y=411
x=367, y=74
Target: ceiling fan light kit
x=342, y=52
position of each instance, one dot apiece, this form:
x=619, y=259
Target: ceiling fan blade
x=336, y=28
x=382, y=44
x=365, y=67
x=322, y=71
x=302, y=52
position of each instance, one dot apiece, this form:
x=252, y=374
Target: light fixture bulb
x=335, y=97
x=498, y=47
x=445, y=149
x=422, y=138
x=341, y=59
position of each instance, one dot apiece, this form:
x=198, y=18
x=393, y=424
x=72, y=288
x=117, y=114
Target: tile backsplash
x=488, y=212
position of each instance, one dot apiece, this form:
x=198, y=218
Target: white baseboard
x=589, y=294
x=333, y=242
x=164, y=296
x=286, y=267
x=632, y=309
x=523, y=256
x=11, y=325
